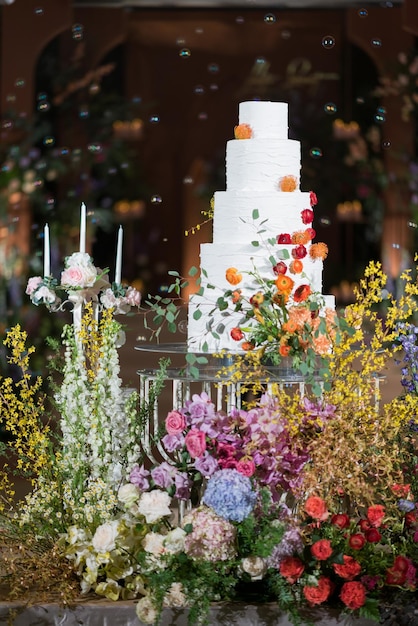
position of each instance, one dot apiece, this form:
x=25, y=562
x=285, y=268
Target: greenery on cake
x=295, y=498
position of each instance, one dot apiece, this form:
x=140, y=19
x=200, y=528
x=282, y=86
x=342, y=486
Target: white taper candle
x=83, y=228
x=47, y=253
x=118, y=267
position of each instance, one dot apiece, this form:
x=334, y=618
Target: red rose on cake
x=284, y=238
x=299, y=252
x=313, y=199
x=302, y=293
x=307, y=216
x=280, y=268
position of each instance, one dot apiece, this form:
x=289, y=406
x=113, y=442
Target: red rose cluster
x=338, y=550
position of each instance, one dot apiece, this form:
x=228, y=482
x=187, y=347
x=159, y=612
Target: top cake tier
x=268, y=120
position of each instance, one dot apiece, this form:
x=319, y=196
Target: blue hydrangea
x=230, y=495
x=406, y=506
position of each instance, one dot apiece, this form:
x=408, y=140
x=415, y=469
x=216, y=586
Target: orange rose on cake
x=233, y=276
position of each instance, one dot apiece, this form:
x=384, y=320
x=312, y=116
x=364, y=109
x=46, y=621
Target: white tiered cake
x=263, y=205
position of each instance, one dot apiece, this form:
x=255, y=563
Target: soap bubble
x=43, y=107
x=156, y=199
x=154, y=119
x=38, y=11
x=330, y=108
x=270, y=18
x=185, y=53
x=386, y=144
x=213, y=68
x=182, y=327
x=199, y=30
x=203, y=116
x=412, y=225
x=213, y=87
x=20, y=82
x=325, y=221
x=376, y=42
x=328, y=42
x=286, y=34
x=77, y=31
x=188, y=180
x=199, y=90
x=379, y=118
x=48, y=141
x=11, y=97
x=95, y=148
x=362, y=13
x=240, y=19
x=315, y=153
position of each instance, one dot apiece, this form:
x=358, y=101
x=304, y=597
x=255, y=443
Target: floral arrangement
x=281, y=317
x=248, y=501
x=80, y=279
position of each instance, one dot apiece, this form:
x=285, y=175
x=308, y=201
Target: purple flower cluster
x=408, y=339
x=259, y=444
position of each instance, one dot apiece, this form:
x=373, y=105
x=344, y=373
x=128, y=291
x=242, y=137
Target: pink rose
x=133, y=296
x=174, y=423
x=195, y=442
x=33, y=284
x=73, y=276
x=246, y=468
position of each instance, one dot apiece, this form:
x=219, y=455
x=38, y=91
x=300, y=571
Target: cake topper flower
x=243, y=131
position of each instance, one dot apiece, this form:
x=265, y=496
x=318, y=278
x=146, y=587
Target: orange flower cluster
x=243, y=131
x=318, y=251
x=301, y=237
x=284, y=286
x=288, y=183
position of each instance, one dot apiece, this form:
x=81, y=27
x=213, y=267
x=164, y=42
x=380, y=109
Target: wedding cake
x=262, y=228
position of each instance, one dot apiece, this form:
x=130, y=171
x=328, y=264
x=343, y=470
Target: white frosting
x=254, y=168
x=268, y=120
x=261, y=163
x=217, y=257
x=233, y=215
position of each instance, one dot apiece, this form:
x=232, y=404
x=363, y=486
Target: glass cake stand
x=219, y=367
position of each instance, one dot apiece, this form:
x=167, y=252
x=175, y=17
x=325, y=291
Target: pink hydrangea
x=212, y=538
